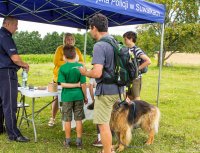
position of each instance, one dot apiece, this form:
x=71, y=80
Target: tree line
x=33, y=43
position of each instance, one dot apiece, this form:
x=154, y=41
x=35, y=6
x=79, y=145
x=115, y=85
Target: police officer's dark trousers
x=1, y=119
x=8, y=101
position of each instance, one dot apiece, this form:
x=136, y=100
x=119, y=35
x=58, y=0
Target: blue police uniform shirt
x=7, y=48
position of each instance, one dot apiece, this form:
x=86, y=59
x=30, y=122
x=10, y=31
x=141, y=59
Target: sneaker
x=79, y=146
x=51, y=122
x=66, y=145
x=91, y=106
x=19, y=139
x=97, y=143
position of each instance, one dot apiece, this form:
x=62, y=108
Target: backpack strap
x=116, y=58
x=136, y=61
x=115, y=48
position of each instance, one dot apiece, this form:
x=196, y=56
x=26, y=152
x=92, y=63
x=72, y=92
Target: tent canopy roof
x=75, y=13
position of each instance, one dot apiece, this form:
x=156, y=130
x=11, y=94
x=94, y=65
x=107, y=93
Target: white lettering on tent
x=103, y=1
x=140, y=8
x=132, y=7
x=120, y=3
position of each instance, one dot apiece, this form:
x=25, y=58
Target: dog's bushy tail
x=157, y=120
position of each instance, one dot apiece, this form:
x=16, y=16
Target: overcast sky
x=47, y=28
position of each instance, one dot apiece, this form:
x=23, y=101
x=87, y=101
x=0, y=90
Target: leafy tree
x=79, y=42
x=50, y=42
x=118, y=38
x=181, y=29
x=148, y=41
x=90, y=44
x=28, y=43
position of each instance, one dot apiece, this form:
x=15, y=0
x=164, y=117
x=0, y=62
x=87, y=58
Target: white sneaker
x=51, y=122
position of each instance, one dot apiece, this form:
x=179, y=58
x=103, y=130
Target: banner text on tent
x=125, y=4
x=119, y=3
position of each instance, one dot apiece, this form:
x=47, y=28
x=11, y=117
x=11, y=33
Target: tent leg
x=160, y=66
x=85, y=45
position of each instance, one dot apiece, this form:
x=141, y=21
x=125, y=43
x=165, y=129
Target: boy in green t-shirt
x=73, y=94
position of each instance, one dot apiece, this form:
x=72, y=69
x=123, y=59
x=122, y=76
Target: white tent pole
x=85, y=44
x=160, y=66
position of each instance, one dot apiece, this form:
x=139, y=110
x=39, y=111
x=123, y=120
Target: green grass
x=42, y=58
x=38, y=58
x=179, y=130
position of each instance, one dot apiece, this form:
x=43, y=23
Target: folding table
x=35, y=94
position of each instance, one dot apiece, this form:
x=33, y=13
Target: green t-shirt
x=69, y=73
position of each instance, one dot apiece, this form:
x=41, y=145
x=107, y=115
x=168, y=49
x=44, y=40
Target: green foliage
x=28, y=42
x=148, y=41
x=42, y=58
x=181, y=29
x=38, y=58
x=50, y=42
x=184, y=38
x=90, y=44
x=118, y=38
x=80, y=42
x=32, y=43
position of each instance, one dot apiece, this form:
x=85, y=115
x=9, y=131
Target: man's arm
x=18, y=61
x=95, y=72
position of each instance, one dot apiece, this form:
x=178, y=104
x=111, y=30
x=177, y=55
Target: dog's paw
x=115, y=146
x=148, y=143
x=120, y=148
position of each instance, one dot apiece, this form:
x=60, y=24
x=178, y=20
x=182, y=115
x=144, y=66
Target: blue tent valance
x=75, y=13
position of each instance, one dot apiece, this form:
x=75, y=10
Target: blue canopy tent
x=75, y=13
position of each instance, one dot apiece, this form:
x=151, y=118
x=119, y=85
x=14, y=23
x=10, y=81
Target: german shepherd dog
x=126, y=116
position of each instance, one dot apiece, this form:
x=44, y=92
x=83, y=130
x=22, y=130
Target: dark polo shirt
x=7, y=48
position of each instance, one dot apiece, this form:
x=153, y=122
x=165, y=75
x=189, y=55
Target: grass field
x=179, y=105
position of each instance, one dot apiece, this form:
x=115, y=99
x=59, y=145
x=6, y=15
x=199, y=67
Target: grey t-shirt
x=104, y=55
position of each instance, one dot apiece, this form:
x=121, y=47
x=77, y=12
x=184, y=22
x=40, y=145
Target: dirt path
x=183, y=58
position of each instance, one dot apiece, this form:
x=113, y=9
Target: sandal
x=51, y=122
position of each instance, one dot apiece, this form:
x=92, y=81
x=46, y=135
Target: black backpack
x=126, y=68
x=140, y=61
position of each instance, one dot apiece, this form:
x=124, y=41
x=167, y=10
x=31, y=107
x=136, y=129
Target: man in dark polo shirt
x=10, y=63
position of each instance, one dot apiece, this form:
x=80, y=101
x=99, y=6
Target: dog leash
x=118, y=106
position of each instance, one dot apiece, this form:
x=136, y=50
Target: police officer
x=10, y=63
